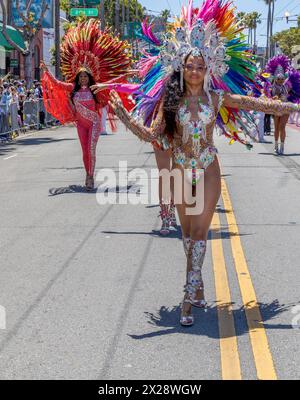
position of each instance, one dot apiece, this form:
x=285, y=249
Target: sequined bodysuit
x=192, y=144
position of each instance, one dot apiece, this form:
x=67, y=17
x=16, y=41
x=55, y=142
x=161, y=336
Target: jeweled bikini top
x=194, y=129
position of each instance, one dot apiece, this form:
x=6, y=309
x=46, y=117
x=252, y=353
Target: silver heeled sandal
x=164, y=230
x=186, y=320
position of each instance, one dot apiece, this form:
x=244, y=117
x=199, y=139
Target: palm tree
x=272, y=44
x=250, y=21
x=165, y=14
x=255, y=16
x=270, y=22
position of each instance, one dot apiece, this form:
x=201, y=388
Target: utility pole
x=272, y=44
x=117, y=16
x=123, y=17
x=136, y=24
x=57, y=38
x=128, y=11
x=102, y=15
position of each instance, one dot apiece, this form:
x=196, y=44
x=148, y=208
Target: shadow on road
x=284, y=155
x=10, y=146
x=175, y=233
x=81, y=189
x=34, y=141
x=69, y=189
x=206, y=322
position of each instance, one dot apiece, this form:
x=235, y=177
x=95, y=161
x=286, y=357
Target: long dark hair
x=77, y=86
x=173, y=96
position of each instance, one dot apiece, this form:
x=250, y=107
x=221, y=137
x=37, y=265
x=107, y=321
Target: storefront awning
x=14, y=35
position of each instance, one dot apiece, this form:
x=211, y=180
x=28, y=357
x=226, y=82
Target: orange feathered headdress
x=100, y=53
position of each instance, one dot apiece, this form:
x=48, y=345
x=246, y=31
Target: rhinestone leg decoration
x=172, y=215
x=196, y=255
x=186, y=320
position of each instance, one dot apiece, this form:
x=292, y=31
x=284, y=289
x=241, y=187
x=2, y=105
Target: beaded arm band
x=265, y=105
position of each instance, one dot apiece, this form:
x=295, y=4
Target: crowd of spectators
x=21, y=108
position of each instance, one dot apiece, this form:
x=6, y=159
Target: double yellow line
x=230, y=360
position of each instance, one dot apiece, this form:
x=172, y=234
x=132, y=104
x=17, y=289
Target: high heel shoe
x=186, y=320
x=89, y=183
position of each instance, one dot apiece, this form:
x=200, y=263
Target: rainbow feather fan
x=215, y=31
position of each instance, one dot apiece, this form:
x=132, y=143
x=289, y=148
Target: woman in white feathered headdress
x=188, y=91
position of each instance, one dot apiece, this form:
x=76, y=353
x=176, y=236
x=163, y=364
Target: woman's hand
x=43, y=66
x=118, y=107
x=98, y=88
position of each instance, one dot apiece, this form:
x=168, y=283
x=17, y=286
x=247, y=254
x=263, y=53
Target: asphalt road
x=90, y=291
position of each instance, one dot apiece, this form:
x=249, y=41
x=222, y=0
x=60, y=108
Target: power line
x=295, y=7
x=170, y=8
x=284, y=8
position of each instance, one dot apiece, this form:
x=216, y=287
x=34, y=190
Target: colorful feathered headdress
x=214, y=32
x=86, y=48
x=192, y=35
x=279, y=66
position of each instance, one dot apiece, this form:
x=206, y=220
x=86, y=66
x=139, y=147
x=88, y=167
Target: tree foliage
x=287, y=39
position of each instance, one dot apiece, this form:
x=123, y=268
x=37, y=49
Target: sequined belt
x=205, y=158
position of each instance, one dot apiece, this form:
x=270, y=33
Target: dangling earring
x=181, y=79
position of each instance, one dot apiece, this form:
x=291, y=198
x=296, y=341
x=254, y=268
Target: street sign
x=14, y=62
x=85, y=3
x=89, y=12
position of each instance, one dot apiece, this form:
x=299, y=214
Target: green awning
x=14, y=35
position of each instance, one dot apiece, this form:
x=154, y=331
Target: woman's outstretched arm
x=265, y=105
x=142, y=132
x=68, y=87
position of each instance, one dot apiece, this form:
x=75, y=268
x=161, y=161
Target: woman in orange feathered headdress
x=88, y=56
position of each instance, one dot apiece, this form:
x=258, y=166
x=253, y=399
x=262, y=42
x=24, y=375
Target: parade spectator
x=20, y=107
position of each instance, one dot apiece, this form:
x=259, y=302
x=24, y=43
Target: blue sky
x=293, y=6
